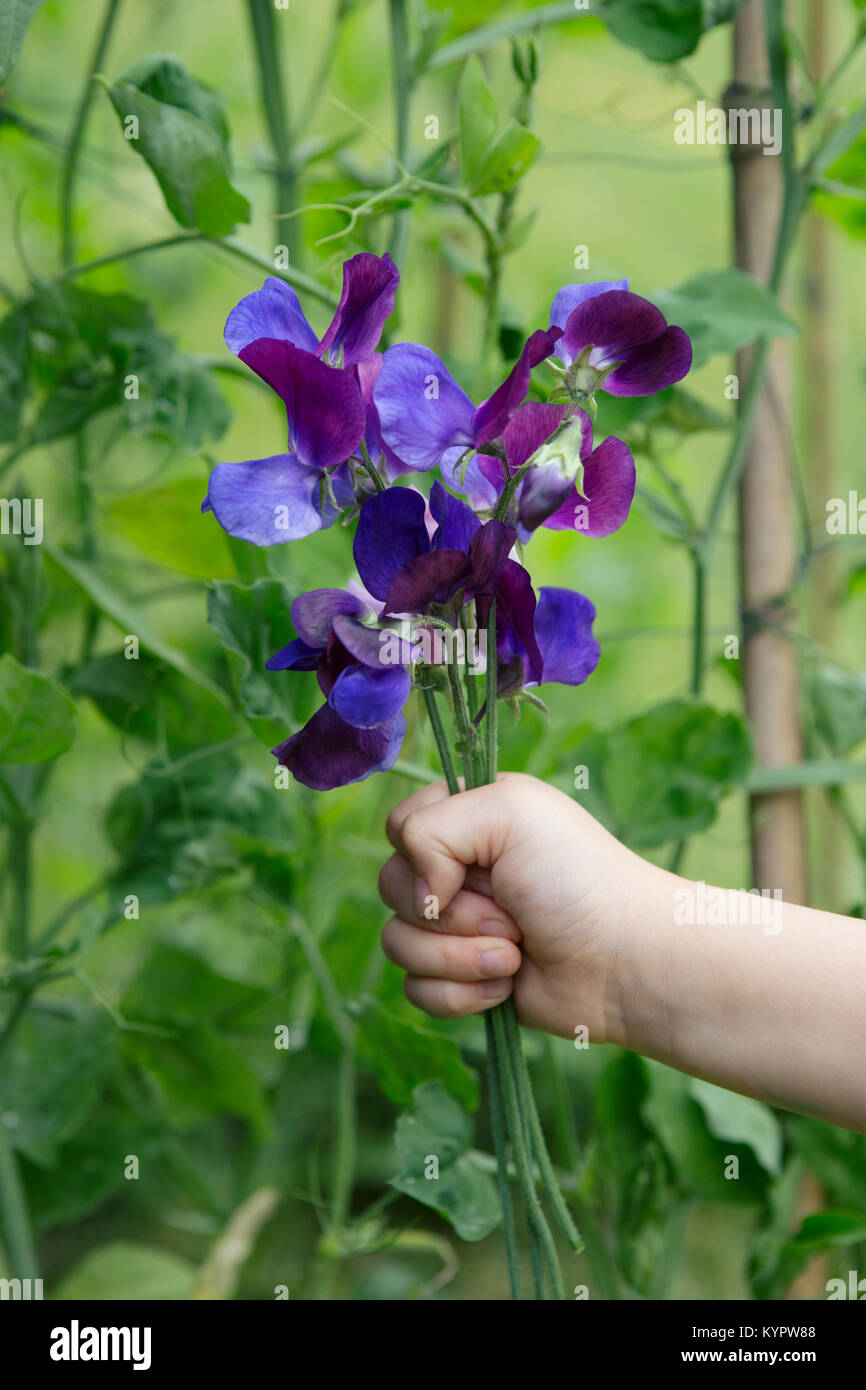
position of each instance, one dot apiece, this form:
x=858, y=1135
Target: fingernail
x=495, y=989
x=492, y=962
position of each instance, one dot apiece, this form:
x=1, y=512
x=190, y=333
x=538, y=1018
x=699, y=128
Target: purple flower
x=400, y=563
x=615, y=340
x=281, y=498
x=424, y=414
x=274, y=311
x=541, y=641
x=360, y=727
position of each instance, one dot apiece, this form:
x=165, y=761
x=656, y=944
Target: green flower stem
x=17, y=1234
x=272, y=91
x=73, y=149
x=500, y=1147
x=465, y=728
x=436, y=725
x=539, y=1147
x=522, y=1157
x=492, y=715
x=371, y=469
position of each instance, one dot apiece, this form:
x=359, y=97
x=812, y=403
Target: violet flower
x=616, y=341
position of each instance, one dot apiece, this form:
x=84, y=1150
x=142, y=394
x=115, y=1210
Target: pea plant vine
x=260, y=997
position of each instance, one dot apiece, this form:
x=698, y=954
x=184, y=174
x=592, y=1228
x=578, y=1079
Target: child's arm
x=759, y=996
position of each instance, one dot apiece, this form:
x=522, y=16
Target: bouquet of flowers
x=443, y=604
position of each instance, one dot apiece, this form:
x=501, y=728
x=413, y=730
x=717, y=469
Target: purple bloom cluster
x=358, y=420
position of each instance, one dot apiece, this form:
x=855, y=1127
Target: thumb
x=443, y=837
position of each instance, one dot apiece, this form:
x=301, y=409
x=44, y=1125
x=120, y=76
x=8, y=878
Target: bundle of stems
x=517, y=1133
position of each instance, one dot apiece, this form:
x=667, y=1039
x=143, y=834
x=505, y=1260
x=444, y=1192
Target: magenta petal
x=531, y=426
x=613, y=322
x=563, y=626
x=428, y=579
x=488, y=553
x=493, y=415
x=653, y=366
x=330, y=753
x=422, y=410
x=323, y=404
x=268, y=501
x=274, y=311
x=313, y=613
x=369, y=286
x=515, y=622
x=608, y=485
x=366, y=698
x=390, y=532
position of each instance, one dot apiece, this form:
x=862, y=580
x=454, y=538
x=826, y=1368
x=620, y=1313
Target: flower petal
x=608, y=487
x=532, y=424
x=488, y=552
x=568, y=298
x=613, y=322
x=375, y=646
x=418, y=426
x=323, y=404
x=482, y=481
x=296, y=656
x=313, y=613
x=330, y=753
x=369, y=286
x=368, y=374
x=390, y=532
x=366, y=698
x=456, y=523
x=493, y=415
x=653, y=366
x=563, y=627
x=274, y=311
x=428, y=579
x=268, y=501
x=515, y=625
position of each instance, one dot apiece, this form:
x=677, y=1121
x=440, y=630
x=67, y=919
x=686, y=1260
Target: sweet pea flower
x=426, y=417
x=543, y=640
x=361, y=726
x=612, y=339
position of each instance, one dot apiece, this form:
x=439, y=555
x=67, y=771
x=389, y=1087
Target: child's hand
x=531, y=893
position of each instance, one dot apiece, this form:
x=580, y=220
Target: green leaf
x=464, y=1192
x=37, y=717
x=839, y=703
x=13, y=372
x=165, y=523
x=103, y=589
x=514, y=150
x=52, y=1079
x=742, y=1120
x=477, y=119
x=127, y=1271
x=253, y=622
x=15, y=15
x=145, y=698
x=182, y=135
x=199, y=1074
x=723, y=310
x=660, y=776
x=665, y=30
x=837, y=1157
x=848, y=172
x=405, y=1053
x=178, y=398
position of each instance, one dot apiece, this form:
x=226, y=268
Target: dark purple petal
x=329, y=753
x=531, y=426
x=493, y=415
x=369, y=285
x=653, y=366
x=268, y=501
x=608, y=487
x=613, y=323
x=428, y=579
x=366, y=698
x=390, y=532
x=456, y=523
x=313, y=613
x=563, y=626
x=323, y=404
x=568, y=298
x=422, y=410
x=274, y=311
x=515, y=625
x=297, y=656
x=488, y=554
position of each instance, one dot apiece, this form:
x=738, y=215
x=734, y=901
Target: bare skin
x=536, y=898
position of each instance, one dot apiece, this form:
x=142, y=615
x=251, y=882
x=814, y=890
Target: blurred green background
x=157, y=1040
